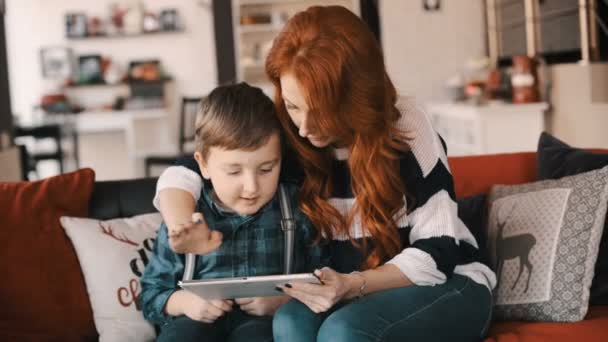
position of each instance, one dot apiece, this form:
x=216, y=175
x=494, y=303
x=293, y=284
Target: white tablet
x=229, y=288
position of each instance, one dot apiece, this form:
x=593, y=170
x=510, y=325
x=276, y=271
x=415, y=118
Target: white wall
x=31, y=24
x=422, y=48
x=578, y=117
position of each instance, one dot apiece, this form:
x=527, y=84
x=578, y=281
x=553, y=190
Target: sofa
x=62, y=311
x=476, y=174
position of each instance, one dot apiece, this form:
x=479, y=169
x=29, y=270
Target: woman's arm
x=381, y=278
x=338, y=286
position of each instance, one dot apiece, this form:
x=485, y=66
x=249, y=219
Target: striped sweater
x=437, y=243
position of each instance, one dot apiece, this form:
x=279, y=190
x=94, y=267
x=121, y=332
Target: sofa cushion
x=113, y=255
x=122, y=198
x=592, y=329
x=557, y=159
x=472, y=210
x=42, y=291
x=544, y=239
x=476, y=174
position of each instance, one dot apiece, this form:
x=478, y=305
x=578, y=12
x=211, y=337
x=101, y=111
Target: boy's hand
x=207, y=311
x=194, y=237
x=261, y=306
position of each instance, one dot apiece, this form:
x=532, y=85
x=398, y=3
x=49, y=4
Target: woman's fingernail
x=288, y=285
x=278, y=289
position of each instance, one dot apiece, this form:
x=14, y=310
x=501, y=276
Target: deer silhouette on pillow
x=511, y=247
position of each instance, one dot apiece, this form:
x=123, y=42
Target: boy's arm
x=159, y=281
x=177, y=191
x=176, y=207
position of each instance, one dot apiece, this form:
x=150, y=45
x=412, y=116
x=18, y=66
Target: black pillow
x=556, y=159
x=472, y=211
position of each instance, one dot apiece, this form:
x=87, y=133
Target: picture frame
x=169, y=20
x=76, y=25
x=57, y=62
x=90, y=69
x=431, y=5
x=145, y=71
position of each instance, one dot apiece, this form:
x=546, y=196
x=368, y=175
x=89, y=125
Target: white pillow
x=113, y=255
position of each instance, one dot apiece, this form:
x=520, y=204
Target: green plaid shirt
x=252, y=246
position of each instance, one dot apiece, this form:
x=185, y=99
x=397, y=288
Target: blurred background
x=113, y=84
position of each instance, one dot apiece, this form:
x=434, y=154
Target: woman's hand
x=207, y=311
x=194, y=237
x=261, y=306
x=320, y=298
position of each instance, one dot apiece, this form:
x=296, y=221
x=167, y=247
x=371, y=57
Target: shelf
x=258, y=66
x=125, y=35
x=259, y=28
x=108, y=85
x=256, y=23
x=268, y=2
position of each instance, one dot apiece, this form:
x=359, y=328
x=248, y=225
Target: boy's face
x=244, y=181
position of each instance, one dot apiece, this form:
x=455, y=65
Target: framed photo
x=169, y=20
x=89, y=69
x=144, y=71
x=57, y=62
x=75, y=25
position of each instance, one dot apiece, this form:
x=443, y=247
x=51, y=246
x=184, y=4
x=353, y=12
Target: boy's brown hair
x=236, y=116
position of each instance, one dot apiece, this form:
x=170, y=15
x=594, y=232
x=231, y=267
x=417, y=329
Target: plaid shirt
x=252, y=245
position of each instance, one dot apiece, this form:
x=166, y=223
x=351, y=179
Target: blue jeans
x=459, y=310
x=235, y=326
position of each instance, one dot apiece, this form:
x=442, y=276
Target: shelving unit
x=125, y=35
x=119, y=84
x=114, y=142
x=256, y=23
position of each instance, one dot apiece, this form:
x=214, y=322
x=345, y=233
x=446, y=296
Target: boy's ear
x=202, y=164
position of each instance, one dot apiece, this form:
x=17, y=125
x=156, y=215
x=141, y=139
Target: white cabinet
x=487, y=129
x=256, y=23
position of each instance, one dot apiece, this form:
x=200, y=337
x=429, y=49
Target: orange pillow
x=42, y=290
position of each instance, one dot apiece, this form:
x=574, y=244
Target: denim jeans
x=458, y=310
x=235, y=326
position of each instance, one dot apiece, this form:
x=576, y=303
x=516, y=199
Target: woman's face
x=297, y=109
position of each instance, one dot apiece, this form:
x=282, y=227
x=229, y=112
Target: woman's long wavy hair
x=339, y=67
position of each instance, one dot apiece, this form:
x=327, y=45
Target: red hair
x=340, y=68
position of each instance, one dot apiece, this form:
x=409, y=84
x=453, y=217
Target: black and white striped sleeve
x=436, y=232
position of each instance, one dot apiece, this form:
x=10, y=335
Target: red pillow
x=42, y=290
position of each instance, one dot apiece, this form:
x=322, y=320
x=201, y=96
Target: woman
x=377, y=185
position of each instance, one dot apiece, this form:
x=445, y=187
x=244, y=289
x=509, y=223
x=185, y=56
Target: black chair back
x=187, y=119
x=190, y=106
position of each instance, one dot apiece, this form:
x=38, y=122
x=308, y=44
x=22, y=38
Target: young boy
x=239, y=155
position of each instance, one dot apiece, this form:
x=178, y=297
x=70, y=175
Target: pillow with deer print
x=112, y=256
x=543, y=240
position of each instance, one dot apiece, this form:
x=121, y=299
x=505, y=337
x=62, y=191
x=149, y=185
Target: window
x=557, y=30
